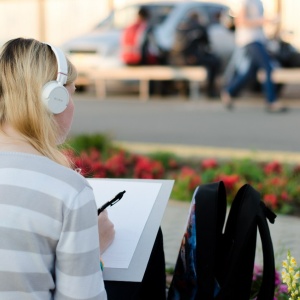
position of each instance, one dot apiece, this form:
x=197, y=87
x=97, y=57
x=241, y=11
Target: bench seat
x=283, y=75
x=143, y=74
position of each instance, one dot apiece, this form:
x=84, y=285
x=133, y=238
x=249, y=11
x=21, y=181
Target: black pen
x=113, y=201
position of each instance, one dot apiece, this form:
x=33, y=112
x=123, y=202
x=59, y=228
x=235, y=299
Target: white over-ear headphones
x=54, y=95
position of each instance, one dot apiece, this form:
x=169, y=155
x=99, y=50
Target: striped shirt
x=49, y=246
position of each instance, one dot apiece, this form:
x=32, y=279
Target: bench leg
x=144, y=90
x=194, y=90
x=100, y=89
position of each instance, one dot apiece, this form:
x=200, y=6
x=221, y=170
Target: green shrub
x=167, y=159
x=100, y=142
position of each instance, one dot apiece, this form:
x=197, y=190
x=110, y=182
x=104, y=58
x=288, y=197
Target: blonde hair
x=25, y=66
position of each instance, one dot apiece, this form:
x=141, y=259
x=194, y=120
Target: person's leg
x=212, y=64
x=244, y=71
x=263, y=61
x=236, y=84
x=241, y=78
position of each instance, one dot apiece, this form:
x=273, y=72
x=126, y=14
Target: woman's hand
x=106, y=231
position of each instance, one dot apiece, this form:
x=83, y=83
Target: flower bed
x=97, y=157
x=278, y=184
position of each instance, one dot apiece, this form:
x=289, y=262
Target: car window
x=200, y=11
x=214, y=12
x=210, y=14
x=122, y=18
x=159, y=13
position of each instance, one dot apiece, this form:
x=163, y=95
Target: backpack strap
x=268, y=281
x=236, y=268
x=246, y=214
x=210, y=212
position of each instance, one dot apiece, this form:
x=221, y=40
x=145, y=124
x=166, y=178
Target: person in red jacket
x=137, y=47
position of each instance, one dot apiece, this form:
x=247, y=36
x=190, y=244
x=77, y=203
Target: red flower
x=173, y=164
x=194, y=182
x=273, y=167
x=297, y=170
x=209, y=163
x=229, y=180
x=259, y=186
x=116, y=165
x=99, y=170
x=279, y=182
x=94, y=154
x=148, y=169
x=69, y=153
x=285, y=197
x=186, y=172
x=84, y=164
x=271, y=200
x=189, y=174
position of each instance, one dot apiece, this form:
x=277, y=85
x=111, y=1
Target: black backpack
x=218, y=264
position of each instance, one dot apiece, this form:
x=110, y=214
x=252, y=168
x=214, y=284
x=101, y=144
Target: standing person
x=251, y=39
x=192, y=47
x=49, y=229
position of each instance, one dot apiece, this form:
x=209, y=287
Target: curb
x=220, y=153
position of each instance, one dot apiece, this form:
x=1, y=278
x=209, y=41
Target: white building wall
x=17, y=18
x=64, y=19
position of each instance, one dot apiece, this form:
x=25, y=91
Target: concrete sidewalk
x=285, y=234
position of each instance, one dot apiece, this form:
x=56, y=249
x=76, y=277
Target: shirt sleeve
x=77, y=267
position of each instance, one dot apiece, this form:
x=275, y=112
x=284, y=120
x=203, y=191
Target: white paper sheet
x=129, y=215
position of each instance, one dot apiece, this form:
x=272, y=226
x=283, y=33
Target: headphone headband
x=54, y=94
x=62, y=65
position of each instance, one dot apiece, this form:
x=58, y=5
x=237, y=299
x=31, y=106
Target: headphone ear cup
x=55, y=96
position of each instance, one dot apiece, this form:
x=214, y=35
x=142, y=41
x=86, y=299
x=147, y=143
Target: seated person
x=191, y=47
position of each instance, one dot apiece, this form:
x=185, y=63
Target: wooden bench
x=143, y=74
x=283, y=75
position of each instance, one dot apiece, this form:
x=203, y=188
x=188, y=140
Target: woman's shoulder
x=41, y=168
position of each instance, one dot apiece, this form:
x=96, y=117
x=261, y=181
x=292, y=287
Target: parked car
x=100, y=47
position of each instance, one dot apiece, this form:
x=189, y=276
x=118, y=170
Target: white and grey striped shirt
x=49, y=245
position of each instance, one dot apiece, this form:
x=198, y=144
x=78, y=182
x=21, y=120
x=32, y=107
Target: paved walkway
x=285, y=234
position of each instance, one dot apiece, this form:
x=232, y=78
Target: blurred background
x=89, y=31
x=57, y=21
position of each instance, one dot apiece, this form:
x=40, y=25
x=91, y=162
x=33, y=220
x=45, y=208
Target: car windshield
x=121, y=18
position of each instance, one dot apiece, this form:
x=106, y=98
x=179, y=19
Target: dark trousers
x=212, y=64
x=153, y=285
x=259, y=59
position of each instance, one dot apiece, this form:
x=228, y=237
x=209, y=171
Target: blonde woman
x=49, y=230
